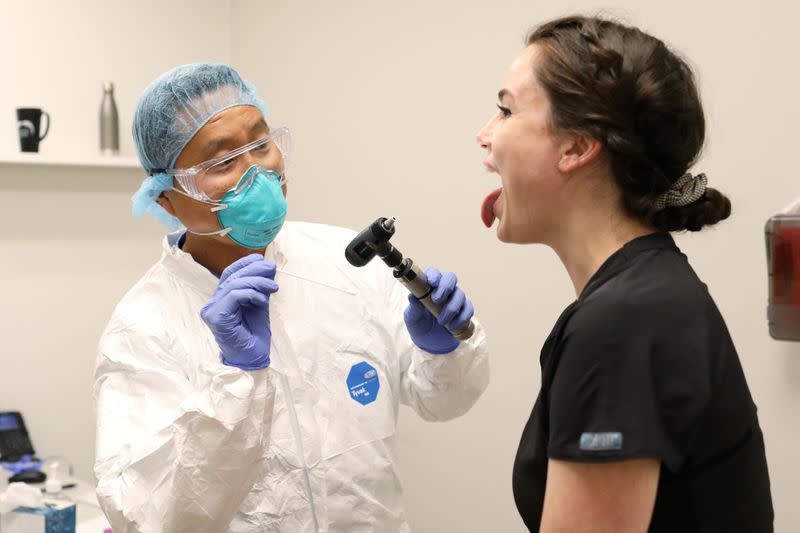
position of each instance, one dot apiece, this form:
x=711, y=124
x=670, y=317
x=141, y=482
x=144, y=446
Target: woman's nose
x=484, y=137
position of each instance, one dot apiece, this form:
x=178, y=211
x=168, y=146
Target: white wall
x=70, y=248
x=384, y=100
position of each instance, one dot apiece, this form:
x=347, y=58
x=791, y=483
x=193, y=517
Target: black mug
x=28, y=122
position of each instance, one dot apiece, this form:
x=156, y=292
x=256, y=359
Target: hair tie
x=686, y=190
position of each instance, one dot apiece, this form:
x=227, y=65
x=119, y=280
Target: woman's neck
x=594, y=227
x=585, y=252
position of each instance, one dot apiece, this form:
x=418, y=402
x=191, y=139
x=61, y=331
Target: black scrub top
x=642, y=365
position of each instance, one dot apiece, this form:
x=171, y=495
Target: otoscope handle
x=417, y=283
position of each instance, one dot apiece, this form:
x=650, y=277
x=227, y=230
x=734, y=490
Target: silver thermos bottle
x=109, y=122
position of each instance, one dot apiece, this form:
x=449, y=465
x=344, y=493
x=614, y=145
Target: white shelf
x=35, y=158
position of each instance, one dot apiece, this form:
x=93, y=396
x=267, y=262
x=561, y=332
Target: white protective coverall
x=187, y=444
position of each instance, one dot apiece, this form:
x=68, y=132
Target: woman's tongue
x=487, y=208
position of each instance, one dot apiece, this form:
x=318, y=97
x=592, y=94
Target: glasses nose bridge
x=244, y=161
x=247, y=159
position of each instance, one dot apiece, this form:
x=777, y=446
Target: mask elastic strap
x=216, y=206
x=221, y=232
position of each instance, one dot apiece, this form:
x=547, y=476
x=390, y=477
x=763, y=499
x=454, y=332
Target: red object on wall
x=783, y=264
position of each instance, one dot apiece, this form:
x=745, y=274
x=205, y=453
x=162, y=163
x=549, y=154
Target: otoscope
x=374, y=240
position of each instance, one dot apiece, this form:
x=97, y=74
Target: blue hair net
x=170, y=111
x=144, y=200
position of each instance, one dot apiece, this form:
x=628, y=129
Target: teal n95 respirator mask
x=253, y=212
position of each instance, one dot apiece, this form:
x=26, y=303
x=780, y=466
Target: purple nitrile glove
x=426, y=331
x=238, y=313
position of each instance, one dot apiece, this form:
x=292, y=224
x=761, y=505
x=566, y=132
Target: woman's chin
x=504, y=233
x=508, y=233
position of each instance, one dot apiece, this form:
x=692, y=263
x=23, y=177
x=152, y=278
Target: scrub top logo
x=363, y=383
x=601, y=442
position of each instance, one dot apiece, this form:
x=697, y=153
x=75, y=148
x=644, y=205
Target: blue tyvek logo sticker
x=363, y=383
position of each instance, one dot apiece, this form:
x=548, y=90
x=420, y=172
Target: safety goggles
x=210, y=180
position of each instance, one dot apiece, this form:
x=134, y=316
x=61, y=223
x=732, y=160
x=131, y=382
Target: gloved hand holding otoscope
x=374, y=240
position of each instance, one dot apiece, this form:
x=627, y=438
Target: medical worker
x=251, y=380
x=644, y=420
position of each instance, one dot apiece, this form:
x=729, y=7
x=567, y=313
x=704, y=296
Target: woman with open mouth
x=644, y=421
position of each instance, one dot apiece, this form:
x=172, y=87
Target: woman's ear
x=578, y=151
x=164, y=201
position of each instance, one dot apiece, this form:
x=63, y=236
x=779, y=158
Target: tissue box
x=59, y=518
